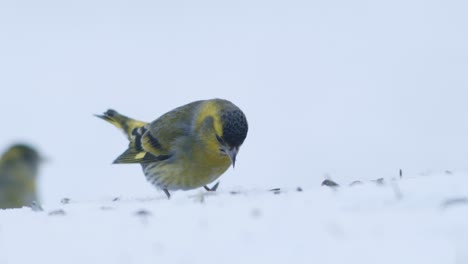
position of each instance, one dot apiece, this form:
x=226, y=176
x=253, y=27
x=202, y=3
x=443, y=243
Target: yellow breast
x=188, y=169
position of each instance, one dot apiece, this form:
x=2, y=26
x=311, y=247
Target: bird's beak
x=232, y=153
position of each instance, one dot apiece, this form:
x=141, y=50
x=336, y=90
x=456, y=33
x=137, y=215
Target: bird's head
x=24, y=154
x=228, y=125
x=234, y=132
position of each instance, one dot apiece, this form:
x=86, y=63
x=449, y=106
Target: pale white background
x=353, y=89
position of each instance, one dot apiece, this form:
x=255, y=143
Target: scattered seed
x=143, y=213
x=299, y=189
x=454, y=202
x=57, y=212
x=330, y=183
x=354, y=183
x=275, y=189
x=379, y=181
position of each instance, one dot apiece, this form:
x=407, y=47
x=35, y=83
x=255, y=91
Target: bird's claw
x=212, y=189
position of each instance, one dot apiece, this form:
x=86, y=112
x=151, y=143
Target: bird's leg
x=212, y=189
x=167, y=193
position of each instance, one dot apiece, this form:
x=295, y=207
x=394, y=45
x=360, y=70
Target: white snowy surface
x=360, y=224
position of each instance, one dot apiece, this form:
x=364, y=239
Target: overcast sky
x=353, y=89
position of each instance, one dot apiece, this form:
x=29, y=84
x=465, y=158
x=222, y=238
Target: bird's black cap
x=235, y=127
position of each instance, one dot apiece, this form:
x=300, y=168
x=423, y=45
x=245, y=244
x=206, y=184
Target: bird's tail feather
x=134, y=130
x=124, y=123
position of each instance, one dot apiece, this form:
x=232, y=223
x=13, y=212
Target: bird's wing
x=155, y=141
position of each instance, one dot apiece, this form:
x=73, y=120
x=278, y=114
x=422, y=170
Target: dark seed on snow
x=330, y=183
x=57, y=212
x=143, y=213
x=455, y=201
x=379, y=181
x=355, y=183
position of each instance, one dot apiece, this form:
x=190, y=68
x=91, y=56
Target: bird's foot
x=212, y=189
x=167, y=193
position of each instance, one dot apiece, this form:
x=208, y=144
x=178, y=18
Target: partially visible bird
x=186, y=148
x=18, y=176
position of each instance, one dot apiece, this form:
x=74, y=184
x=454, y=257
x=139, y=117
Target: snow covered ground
x=418, y=219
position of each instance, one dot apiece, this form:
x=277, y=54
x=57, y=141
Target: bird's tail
x=135, y=131
x=124, y=123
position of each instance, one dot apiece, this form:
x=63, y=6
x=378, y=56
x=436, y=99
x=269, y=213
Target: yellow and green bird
x=186, y=148
x=18, y=176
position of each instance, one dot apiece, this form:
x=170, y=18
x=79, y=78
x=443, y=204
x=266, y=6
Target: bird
x=19, y=166
x=186, y=148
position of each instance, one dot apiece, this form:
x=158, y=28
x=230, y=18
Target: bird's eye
x=220, y=140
